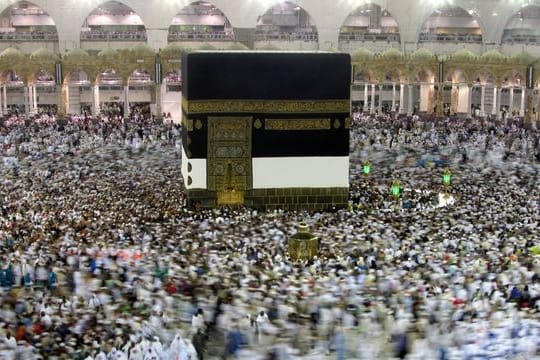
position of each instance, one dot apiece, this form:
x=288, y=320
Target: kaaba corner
x=266, y=129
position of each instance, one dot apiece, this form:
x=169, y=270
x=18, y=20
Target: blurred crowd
x=101, y=259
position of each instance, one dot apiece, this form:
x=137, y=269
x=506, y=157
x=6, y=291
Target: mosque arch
x=42, y=66
x=512, y=92
x=200, y=21
x=424, y=75
x=392, y=76
x=76, y=88
x=26, y=21
x=483, y=77
x=113, y=21
x=513, y=78
x=13, y=63
x=109, y=77
x=288, y=24
x=455, y=75
x=523, y=27
x=140, y=77
x=369, y=23
x=141, y=90
x=12, y=79
x=364, y=76
x=42, y=97
x=44, y=77
x=14, y=85
x=451, y=24
x=173, y=77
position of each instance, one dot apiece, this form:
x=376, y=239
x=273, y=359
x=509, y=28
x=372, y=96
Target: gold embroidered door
x=229, y=158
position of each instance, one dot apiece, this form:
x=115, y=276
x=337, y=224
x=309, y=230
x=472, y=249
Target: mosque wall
x=463, y=99
x=509, y=48
x=194, y=45
x=29, y=46
x=171, y=103
x=49, y=98
x=374, y=46
x=31, y=20
x=96, y=46
x=451, y=22
x=424, y=97
x=108, y=95
x=450, y=48
x=141, y=96
x=15, y=96
x=288, y=45
x=99, y=20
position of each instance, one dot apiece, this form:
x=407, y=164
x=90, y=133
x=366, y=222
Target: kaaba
x=266, y=129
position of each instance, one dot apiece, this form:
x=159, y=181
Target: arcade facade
x=464, y=84
x=457, y=57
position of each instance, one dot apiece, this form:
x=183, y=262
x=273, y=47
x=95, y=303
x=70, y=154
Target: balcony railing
x=363, y=36
x=201, y=36
x=295, y=36
x=522, y=39
x=113, y=36
x=462, y=38
x=29, y=36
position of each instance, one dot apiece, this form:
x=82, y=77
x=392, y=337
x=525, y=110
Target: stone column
x=366, y=98
x=454, y=99
x=372, y=107
x=439, y=95
x=159, y=97
x=494, y=109
x=67, y=109
x=431, y=99
x=29, y=100
x=34, y=92
x=401, y=98
x=523, y=97
x=126, y=102
x=410, y=101
x=393, y=97
x=379, y=105
x=536, y=117
x=482, y=100
x=511, y=107
x=469, y=101
x=26, y=101
x=95, y=101
x=499, y=114
x=4, y=103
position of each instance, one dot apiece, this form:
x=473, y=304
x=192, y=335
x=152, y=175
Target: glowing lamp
x=366, y=168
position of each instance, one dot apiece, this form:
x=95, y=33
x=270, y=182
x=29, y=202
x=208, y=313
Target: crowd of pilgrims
x=100, y=258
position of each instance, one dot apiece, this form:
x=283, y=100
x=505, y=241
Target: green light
x=395, y=189
x=366, y=168
x=447, y=177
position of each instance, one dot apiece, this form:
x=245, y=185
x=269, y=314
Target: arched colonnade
x=463, y=83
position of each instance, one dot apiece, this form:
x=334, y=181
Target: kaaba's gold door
x=229, y=158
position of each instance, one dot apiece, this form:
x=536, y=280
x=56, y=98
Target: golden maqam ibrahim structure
x=303, y=245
